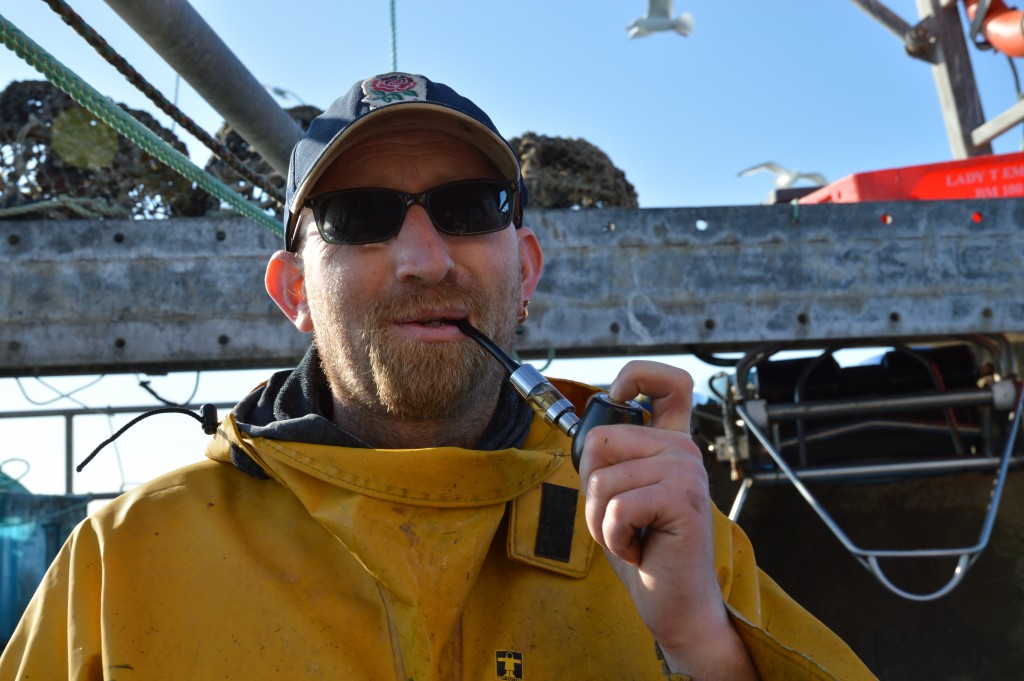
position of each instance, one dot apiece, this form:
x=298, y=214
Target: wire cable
x=1016, y=85
x=145, y=385
x=980, y=12
x=10, y=480
x=117, y=453
x=60, y=395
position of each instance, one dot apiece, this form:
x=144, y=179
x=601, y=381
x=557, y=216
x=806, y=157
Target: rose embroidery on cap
x=391, y=88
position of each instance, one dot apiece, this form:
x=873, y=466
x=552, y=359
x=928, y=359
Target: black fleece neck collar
x=295, y=405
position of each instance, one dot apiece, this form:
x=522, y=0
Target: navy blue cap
x=388, y=102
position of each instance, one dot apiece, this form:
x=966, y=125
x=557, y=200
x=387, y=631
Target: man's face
x=375, y=307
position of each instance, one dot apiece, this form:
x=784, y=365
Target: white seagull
x=659, y=18
x=785, y=177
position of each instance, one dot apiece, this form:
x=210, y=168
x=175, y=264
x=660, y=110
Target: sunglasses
x=372, y=215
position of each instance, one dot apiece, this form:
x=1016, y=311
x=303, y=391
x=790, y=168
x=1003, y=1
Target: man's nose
x=420, y=251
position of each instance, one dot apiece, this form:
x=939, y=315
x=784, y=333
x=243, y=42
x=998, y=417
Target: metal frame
x=187, y=294
x=757, y=417
x=938, y=38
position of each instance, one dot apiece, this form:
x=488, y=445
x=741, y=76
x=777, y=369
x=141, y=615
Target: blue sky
x=811, y=84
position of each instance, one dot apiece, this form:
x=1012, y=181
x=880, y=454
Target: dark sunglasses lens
x=471, y=207
x=360, y=216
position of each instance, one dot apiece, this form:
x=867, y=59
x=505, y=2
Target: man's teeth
x=434, y=322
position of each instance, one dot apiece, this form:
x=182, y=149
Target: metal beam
x=185, y=41
x=892, y=22
x=84, y=296
x=988, y=131
x=954, y=78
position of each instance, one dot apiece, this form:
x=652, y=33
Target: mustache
x=410, y=300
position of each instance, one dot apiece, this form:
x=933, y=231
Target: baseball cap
x=389, y=102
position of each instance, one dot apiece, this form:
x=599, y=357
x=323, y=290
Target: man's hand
x=653, y=477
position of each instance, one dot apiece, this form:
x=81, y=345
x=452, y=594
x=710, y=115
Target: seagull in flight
x=785, y=177
x=659, y=18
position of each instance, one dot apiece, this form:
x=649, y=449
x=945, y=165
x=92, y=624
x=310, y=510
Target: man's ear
x=531, y=260
x=286, y=285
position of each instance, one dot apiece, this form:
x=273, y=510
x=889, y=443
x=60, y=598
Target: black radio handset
x=545, y=399
x=602, y=410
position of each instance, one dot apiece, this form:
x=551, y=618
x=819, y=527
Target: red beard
x=388, y=374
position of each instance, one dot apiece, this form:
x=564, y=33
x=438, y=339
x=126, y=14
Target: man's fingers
x=605, y=490
x=670, y=389
x=611, y=445
x=626, y=497
x=638, y=477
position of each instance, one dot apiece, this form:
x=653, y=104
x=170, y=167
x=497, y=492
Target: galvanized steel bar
x=989, y=130
x=887, y=470
x=890, y=403
x=185, y=41
x=69, y=454
x=111, y=296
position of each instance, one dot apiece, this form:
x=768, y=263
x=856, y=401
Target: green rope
x=126, y=125
x=394, y=39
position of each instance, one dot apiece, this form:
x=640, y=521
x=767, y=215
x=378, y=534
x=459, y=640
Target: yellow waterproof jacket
x=426, y=564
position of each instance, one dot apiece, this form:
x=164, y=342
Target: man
x=392, y=509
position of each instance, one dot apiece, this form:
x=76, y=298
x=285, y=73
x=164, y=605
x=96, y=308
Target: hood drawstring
x=208, y=419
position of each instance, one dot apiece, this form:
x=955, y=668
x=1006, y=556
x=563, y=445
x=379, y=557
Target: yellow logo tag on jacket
x=509, y=665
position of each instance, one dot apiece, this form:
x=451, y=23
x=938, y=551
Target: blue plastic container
x=33, y=527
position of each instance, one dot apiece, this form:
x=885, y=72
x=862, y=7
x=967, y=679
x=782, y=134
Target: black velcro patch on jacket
x=556, y=522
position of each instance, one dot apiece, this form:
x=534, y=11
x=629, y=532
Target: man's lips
x=432, y=318
x=432, y=325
